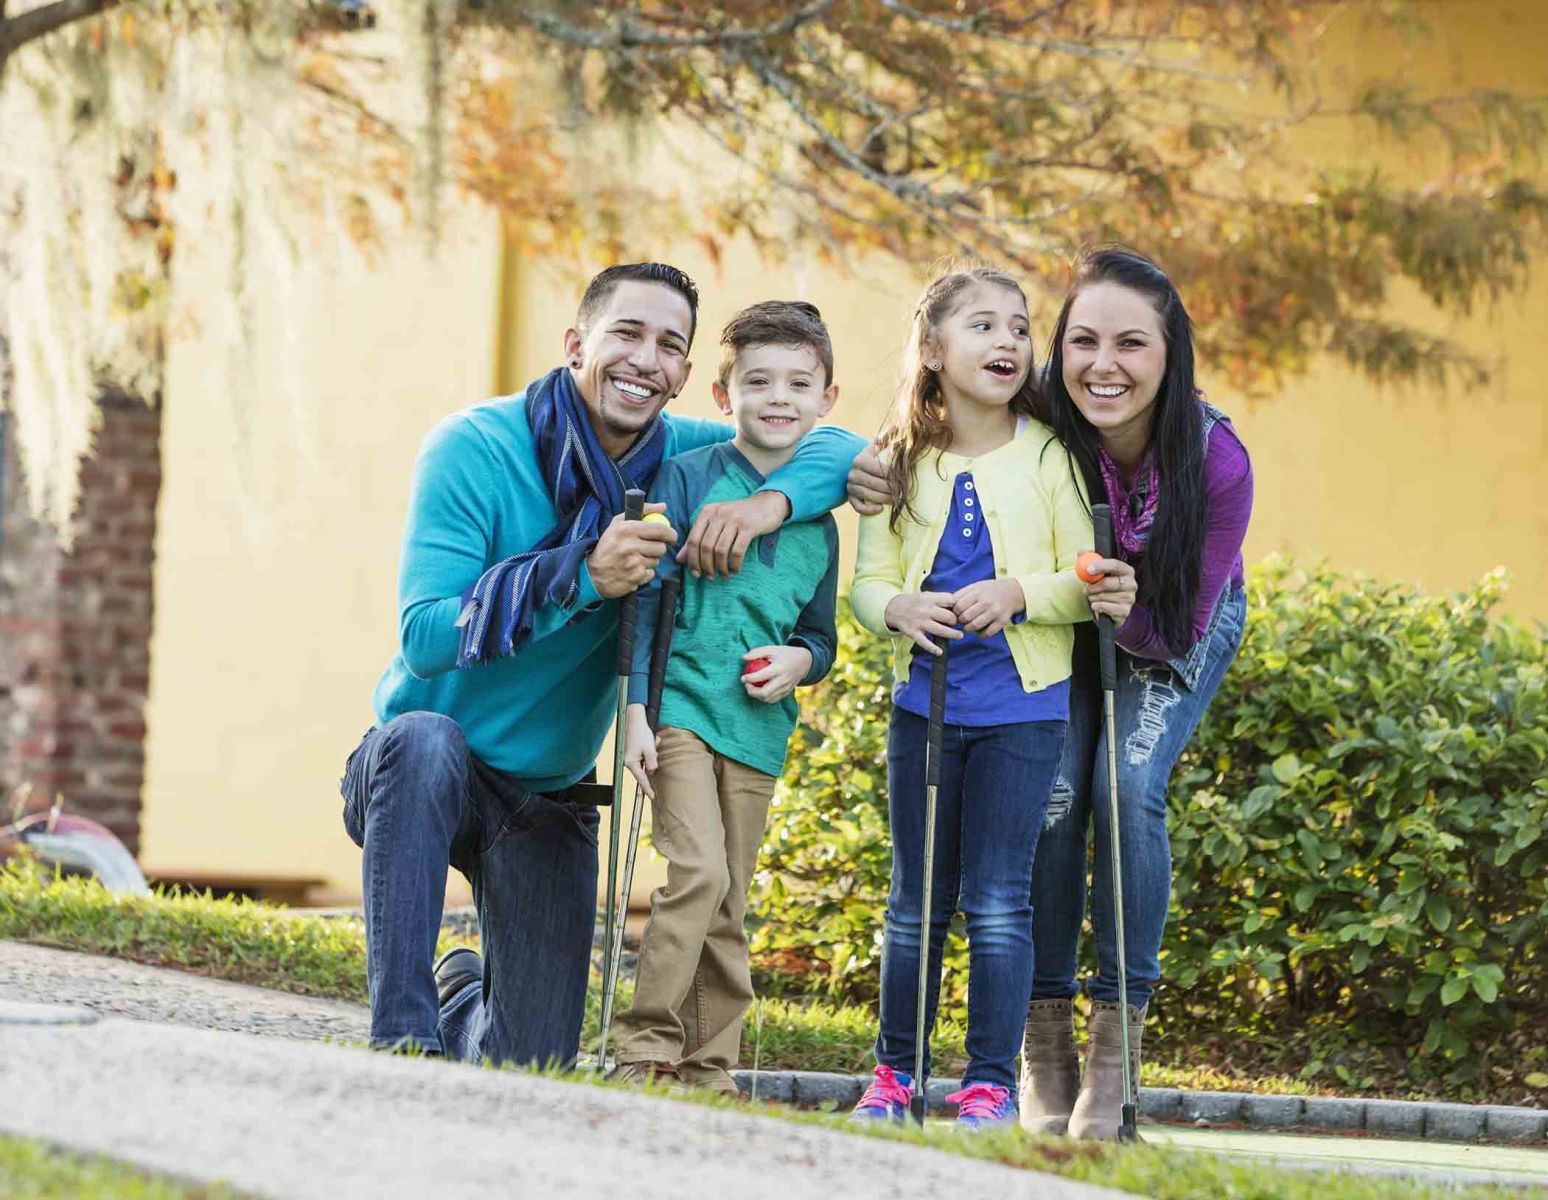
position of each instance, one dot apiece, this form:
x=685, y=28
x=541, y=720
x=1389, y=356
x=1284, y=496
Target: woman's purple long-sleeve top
x=1228, y=486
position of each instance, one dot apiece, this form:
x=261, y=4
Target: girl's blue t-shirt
x=983, y=686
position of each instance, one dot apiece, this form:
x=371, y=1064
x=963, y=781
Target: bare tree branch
x=17, y=31
x=983, y=29
x=630, y=34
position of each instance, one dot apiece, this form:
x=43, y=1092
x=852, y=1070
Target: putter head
x=1128, y=1131
x=916, y=1107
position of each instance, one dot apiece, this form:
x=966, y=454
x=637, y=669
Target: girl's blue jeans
x=1156, y=714
x=994, y=787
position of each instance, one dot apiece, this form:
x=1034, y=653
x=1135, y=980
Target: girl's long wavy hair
x=1169, y=579
x=917, y=422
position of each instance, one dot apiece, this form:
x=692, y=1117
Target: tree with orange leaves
x=1013, y=130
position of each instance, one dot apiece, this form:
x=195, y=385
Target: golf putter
x=660, y=651
x=919, y=1104
x=1102, y=526
x=634, y=509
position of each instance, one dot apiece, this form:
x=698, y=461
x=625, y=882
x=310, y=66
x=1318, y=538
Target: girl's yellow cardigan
x=1038, y=522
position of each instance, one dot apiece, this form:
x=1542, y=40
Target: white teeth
x=632, y=389
x=1106, y=391
x=1001, y=364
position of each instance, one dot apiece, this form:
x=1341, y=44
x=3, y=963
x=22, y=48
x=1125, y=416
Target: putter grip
x=661, y=649
x=1102, y=527
x=634, y=509
x=937, y=714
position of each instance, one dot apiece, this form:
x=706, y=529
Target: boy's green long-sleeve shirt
x=478, y=497
x=785, y=594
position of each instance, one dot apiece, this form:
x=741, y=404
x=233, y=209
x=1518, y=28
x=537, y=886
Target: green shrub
x=1357, y=827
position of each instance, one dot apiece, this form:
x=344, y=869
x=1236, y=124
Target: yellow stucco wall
x=275, y=606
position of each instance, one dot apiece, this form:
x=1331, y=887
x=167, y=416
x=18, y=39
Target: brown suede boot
x=1050, y=1068
x=1099, y=1107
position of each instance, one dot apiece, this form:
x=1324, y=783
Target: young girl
x=977, y=551
x=1119, y=390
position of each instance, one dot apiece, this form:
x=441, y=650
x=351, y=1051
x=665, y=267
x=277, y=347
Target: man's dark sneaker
x=454, y=970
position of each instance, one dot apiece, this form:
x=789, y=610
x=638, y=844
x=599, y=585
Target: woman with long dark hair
x=1119, y=391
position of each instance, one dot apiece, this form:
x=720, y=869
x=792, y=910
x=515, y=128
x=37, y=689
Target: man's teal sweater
x=478, y=497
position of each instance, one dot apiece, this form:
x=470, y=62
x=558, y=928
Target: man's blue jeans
x=994, y=787
x=417, y=800
x=1156, y=714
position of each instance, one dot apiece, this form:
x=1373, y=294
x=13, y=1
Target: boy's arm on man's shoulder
x=816, y=627
x=693, y=433
x=815, y=479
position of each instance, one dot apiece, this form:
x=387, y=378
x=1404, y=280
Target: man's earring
x=575, y=364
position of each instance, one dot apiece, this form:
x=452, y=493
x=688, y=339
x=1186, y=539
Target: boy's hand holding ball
x=770, y=673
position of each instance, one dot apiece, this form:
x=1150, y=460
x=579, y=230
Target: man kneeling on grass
x=743, y=645
x=497, y=702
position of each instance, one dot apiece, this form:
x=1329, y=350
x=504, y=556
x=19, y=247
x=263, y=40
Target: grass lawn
x=31, y=1170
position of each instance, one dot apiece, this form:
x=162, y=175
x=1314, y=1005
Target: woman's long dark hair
x=1169, y=578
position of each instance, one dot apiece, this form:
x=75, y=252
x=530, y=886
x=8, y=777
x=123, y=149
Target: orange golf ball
x=1084, y=568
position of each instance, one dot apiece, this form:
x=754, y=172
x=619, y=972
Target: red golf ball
x=756, y=664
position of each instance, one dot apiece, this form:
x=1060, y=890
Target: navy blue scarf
x=587, y=488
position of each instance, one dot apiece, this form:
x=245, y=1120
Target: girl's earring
x=933, y=366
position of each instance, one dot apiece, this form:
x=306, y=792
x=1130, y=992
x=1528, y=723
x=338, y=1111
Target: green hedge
x=1357, y=829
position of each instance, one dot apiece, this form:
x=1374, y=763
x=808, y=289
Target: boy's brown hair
x=776, y=323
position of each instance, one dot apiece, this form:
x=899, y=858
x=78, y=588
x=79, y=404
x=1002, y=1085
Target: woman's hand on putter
x=1114, y=594
x=922, y=616
x=787, y=666
x=986, y=607
x=640, y=747
x=626, y=554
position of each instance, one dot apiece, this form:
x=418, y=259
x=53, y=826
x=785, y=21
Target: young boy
x=742, y=646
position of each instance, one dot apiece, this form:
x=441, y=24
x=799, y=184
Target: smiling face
x=984, y=347
x=631, y=359
x=775, y=394
x=1114, y=358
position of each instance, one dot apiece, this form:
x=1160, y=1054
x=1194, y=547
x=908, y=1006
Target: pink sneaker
x=887, y=1099
x=981, y=1104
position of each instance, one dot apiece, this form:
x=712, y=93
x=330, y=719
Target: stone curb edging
x=1430, y=1120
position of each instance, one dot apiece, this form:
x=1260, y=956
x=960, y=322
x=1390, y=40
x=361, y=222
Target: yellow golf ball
x=657, y=518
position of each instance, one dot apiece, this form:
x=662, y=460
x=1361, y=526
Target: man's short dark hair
x=776, y=323
x=602, y=286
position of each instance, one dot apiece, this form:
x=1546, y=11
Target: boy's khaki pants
x=694, y=983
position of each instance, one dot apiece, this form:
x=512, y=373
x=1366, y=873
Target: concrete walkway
x=111, y=987
x=1516, y=1166
x=202, y=1086
x=300, y=1120
x=234, y=1089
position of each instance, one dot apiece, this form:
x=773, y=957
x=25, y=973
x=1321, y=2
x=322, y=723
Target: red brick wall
x=75, y=627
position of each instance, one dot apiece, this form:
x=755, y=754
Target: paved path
x=300, y=1120
x=112, y=987
x=303, y=1120
x=1510, y=1165
x=186, y=1087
